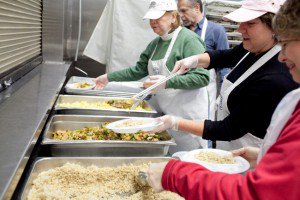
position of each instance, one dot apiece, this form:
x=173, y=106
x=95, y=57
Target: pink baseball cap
x=252, y=9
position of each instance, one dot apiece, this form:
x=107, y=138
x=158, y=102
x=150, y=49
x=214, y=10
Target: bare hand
x=101, y=82
x=249, y=153
x=155, y=172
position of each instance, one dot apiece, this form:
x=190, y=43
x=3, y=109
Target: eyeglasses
x=284, y=43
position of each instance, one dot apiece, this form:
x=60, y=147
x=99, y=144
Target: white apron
x=188, y=104
x=212, y=86
x=280, y=117
x=222, y=109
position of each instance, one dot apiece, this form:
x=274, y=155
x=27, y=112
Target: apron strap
x=172, y=43
x=280, y=116
x=265, y=58
x=203, y=33
x=176, y=32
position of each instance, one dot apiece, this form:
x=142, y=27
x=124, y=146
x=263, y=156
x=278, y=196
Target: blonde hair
x=176, y=24
x=286, y=23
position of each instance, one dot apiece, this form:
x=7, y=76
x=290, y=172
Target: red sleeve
x=277, y=176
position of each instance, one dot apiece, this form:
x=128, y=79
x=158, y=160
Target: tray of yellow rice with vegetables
x=94, y=105
x=75, y=135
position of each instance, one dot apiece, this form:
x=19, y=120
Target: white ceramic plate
x=75, y=85
x=240, y=165
x=133, y=125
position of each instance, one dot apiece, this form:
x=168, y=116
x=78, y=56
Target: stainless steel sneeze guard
x=95, y=99
x=100, y=147
x=45, y=164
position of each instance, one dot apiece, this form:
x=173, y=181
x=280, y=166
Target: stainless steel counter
x=23, y=107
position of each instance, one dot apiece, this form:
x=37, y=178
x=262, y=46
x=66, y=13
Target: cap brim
x=154, y=14
x=243, y=15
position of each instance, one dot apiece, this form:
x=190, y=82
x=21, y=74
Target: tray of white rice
x=94, y=105
x=87, y=135
x=91, y=178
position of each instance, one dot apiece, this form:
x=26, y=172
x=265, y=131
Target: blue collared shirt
x=215, y=38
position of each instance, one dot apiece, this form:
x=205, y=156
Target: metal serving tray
x=111, y=90
x=106, y=112
x=45, y=164
x=99, y=147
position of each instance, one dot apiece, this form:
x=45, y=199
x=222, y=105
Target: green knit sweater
x=187, y=44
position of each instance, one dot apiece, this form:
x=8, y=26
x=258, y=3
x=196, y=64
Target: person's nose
x=281, y=57
x=242, y=28
x=152, y=21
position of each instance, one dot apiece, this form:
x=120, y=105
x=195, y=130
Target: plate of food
x=217, y=160
x=84, y=85
x=133, y=125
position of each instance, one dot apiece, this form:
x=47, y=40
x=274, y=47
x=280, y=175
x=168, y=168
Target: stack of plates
x=113, y=89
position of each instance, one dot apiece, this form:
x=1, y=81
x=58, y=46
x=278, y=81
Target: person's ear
x=174, y=16
x=197, y=7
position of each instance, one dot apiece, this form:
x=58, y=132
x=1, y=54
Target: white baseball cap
x=252, y=9
x=158, y=8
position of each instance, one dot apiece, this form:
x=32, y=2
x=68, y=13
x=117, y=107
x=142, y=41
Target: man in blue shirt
x=213, y=35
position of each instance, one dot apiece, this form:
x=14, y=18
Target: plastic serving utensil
x=138, y=101
x=148, y=90
x=142, y=179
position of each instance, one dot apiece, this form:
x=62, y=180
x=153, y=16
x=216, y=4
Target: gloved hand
x=249, y=153
x=155, y=172
x=101, y=82
x=184, y=65
x=154, y=79
x=168, y=122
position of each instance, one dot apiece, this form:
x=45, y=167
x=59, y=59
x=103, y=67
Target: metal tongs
x=139, y=97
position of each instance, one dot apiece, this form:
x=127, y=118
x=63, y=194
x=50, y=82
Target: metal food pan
x=99, y=147
x=111, y=90
x=45, y=164
x=96, y=99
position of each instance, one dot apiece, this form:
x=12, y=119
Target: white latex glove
x=154, y=79
x=101, y=82
x=184, y=65
x=249, y=153
x=155, y=172
x=168, y=122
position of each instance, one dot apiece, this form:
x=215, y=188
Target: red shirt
x=277, y=176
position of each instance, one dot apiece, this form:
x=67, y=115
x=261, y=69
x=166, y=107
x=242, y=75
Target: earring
x=273, y=36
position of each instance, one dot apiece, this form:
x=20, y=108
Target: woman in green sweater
x=185, y=95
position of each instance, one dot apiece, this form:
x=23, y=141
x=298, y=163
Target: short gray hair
x=194, y=2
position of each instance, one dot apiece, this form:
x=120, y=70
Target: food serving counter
x=28, y=116
x=24, y=108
